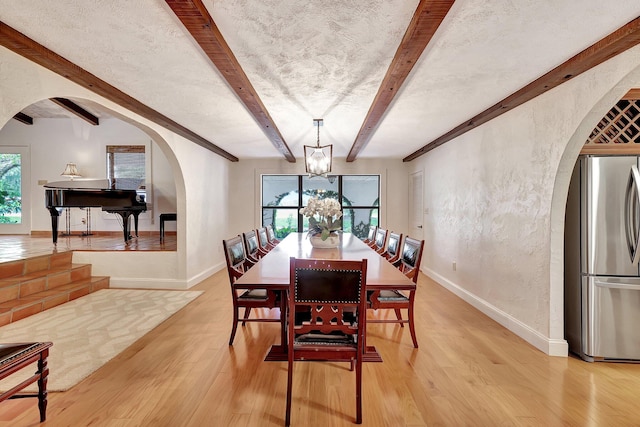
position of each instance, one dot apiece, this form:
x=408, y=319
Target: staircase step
x=16, y=309
x=36, y=284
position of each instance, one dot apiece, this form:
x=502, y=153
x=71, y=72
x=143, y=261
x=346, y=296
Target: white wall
x=55, y=142
x=496, y=199
x=199, y=176
x=244, y=187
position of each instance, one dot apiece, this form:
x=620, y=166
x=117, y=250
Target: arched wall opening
x=81, y=143
x=560, y=194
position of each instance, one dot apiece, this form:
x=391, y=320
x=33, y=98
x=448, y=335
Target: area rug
x=89, y=331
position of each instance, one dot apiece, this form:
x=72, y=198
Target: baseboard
x=550, y=346
x=194, y=280
x=141, y=233
x=138, y=283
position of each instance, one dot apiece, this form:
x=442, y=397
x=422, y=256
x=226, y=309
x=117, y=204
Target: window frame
x=300, y=190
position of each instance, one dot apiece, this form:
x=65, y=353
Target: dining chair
x=392, y=253
x=271, y=234
x=254, y=253
x=380, y=241
x=409, y=264
x=372, y=234
x=263, y=240
x=237, y=265
x=334, y=291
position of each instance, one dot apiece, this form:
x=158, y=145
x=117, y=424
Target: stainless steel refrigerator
x=602, y=277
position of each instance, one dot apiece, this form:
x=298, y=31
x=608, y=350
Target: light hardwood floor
x=468, y=371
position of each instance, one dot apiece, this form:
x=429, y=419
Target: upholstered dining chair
x=380, y=241
x=392, y=253
x=371, y=236
x=237, y=265
x=334, y=292
x=263, y=239
x=409, y=264
x=254, y=253
x=271, y=234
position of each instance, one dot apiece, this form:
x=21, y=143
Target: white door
x=15, y=206
x=416, y=205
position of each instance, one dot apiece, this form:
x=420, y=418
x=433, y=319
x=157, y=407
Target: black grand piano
x=119, y=196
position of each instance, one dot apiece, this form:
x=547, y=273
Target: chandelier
x=318, y=159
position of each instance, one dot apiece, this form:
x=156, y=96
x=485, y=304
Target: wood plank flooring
x=468, y=371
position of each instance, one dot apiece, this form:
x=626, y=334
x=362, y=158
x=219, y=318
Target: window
x=284, y=195
x=14, y=190
x=10, y=188
x=126, y=161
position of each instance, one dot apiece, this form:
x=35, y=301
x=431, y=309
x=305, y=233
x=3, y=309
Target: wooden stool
x=166, y=217
x=14, y=357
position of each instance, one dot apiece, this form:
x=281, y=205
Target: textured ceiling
x=319, y=59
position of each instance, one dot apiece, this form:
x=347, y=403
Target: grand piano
x=119, y=196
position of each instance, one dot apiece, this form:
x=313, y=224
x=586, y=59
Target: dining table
x=272, y=272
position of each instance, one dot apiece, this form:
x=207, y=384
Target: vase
x=333, y=241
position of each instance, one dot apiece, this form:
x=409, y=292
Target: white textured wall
x=199, y=175
x=496, y=199
x=244, y=187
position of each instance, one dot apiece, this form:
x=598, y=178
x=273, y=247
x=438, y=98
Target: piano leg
x=55, y=215
x=135, y=221
x=125, y=225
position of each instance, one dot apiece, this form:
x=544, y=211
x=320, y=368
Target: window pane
x=129, y=165
x=283, y=220
x=10, y=188
x=280, y=190
x=357, y=221
x=360, y=190
x=318, y=186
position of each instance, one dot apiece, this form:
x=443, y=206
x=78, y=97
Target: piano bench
x=166, y=217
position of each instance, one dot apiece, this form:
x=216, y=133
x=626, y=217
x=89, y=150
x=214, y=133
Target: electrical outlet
x=454, y=266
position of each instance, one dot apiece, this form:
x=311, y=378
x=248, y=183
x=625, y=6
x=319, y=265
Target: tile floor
x=15, y=247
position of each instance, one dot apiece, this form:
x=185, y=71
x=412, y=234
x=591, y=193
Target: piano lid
x=98, y=184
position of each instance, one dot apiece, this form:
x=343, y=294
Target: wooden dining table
x=272, y=272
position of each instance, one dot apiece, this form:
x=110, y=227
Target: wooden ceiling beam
x=426, y=19
x=23, y=118
x=197, y=20
x=615, y=43
x=632, y=94
x=35, y=52
x=74, y=108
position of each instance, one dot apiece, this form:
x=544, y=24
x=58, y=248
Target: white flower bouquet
x=324, y=216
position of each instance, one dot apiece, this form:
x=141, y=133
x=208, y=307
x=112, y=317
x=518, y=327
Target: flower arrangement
x=324, y=216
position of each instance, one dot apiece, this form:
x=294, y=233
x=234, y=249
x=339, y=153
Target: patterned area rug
x=89, y=331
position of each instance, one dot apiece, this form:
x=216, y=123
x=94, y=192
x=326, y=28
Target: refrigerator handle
x=609, y=285
x=632, y=203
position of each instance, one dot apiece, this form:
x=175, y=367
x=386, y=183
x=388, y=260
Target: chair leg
x=399, y=316
x=247, y=311
x=412, y=327
x=235, y=325
x=287, y=419
x=359, y=391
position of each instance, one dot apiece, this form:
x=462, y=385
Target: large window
x=10, y=188
x=126, y=161
x=284, y=195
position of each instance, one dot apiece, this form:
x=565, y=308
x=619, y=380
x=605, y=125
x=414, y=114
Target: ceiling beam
x=23, y=118
x=33, y=51
x=74, y=108
x=426, y=19
x=615, y=43
x=197, y=20
x=632, y=94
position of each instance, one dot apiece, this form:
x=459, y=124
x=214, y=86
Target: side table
x=14, y=357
